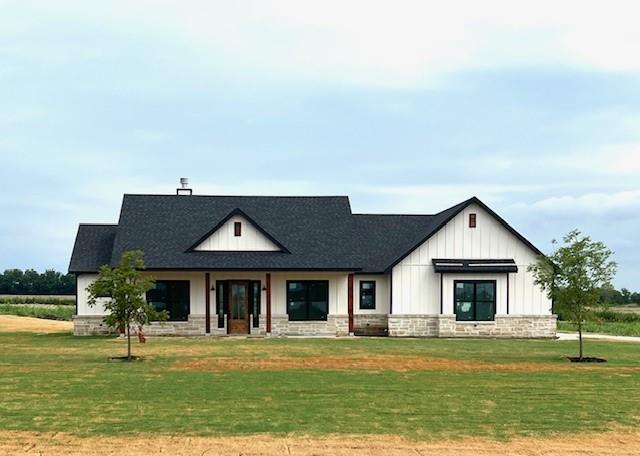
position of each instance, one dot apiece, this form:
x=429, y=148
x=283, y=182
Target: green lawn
x=59, y=382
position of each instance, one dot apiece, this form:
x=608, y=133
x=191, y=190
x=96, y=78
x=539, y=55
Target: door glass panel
x=255, y=304
x=238, y=302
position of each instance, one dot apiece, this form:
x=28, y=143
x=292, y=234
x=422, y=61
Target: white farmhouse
x=309, y=266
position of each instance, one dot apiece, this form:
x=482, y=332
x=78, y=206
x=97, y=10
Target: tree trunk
x=580, y=337
x=129, y=341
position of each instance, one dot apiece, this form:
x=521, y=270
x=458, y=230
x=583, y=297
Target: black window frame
x=187, y=284
x=475, y=292
x=307, y=303
x=237, y=229
x=373, y=297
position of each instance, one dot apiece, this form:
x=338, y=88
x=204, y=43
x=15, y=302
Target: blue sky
x=404, y=106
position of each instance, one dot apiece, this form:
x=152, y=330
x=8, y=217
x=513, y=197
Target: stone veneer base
x=507, y=326
x=336, y=325
x=93, y=325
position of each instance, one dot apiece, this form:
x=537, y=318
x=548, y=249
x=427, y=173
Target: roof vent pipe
x=184, y=187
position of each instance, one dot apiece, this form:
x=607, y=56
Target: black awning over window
x=469, y=265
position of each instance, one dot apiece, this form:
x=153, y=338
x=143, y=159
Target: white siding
x=416, y=287
x=382, y=294
x=83, y=281
x=251, y=239
x=196, y=291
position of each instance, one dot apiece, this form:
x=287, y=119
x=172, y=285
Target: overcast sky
x=404, y=106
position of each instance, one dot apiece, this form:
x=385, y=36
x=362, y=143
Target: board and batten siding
x=224, y=238
x=416, y=287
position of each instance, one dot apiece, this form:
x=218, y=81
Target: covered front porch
x=254, y=303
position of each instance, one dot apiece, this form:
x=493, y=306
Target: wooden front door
x=238, y=308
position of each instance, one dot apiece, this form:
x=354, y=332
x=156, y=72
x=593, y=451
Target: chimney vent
x=184, y=187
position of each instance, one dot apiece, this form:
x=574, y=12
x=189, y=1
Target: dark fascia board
x=237, y=211
x=252, y=269
x=239, y=269
x=463, y=206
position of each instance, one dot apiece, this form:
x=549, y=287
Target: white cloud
x=391, y=44
x=589, y=203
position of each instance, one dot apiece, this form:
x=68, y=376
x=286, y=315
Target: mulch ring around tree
x=586, y=359
x=125, y=358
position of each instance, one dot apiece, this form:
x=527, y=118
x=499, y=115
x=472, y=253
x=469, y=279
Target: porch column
x=268, y=303
x=350, y=302
x=207, y=303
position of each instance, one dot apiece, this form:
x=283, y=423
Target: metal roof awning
x=471, y=265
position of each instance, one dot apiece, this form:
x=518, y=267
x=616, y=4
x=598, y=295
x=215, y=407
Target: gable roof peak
x=237, y=212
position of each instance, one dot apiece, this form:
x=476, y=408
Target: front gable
x=237, y=232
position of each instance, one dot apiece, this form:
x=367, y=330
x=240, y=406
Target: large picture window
x=172, y=296
x=307, y=300
x=367, y=294
x=475, y=300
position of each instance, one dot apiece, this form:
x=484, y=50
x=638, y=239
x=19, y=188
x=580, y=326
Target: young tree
x=573, y=276
x=124, y=288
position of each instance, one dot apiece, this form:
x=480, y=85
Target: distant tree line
x=31, y=282
x=614, y=297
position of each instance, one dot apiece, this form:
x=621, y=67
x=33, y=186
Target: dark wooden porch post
x=268, y=303
x=207, y=303
x=350, y=301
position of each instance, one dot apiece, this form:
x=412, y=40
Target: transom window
x=307, y=300
x=367, y=294
x=172, y=296
x=475, y=300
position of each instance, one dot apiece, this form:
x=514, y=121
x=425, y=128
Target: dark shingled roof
x=93, y=247
x=316, y=233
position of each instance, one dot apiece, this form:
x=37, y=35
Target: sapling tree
x=573, y=276
x=122, y=291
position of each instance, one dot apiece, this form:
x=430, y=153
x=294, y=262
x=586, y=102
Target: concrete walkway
x=574, y=336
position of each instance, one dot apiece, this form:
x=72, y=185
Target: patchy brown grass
x=13, y=323
x=397, y=363
x=614, y=443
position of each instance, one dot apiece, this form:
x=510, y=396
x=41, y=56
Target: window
x=475, y=300
x=172, y=296
x=308, y=300
x=221, y=301
x=237, y=229
x=367, y=294
x=472, y=220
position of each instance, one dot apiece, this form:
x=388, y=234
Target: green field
x=604, y=327
x=50, y=312
x=207, y=386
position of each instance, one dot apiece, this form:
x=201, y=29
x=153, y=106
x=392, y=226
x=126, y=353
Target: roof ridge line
x=237, y=196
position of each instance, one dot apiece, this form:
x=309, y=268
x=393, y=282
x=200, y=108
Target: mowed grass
x=58, y=382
